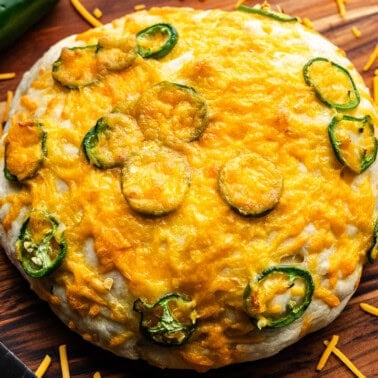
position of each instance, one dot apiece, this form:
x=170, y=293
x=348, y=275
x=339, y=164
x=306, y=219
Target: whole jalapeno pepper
x=16, y=16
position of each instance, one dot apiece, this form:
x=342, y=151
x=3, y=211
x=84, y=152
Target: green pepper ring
x=365, y=163
x=351, y=104
x=296, y=312
x=10, y=176
x=264, y=12
x=161, y=329
x=54, y=264
x=165, y=48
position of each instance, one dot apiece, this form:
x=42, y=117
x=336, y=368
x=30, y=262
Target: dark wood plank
x=31, y=330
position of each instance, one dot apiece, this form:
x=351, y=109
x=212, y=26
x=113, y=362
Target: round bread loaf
x=193, y=188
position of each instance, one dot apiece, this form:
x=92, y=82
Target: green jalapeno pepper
x=150, y=43
x=160, y=115
x=267, y=12
x=16, y=16
x=64, y=69
x=170, y=321
x=25, y=150
x=353, y=141
x=41, y=245
x=110, y=141
x=287, y=287
x=332, y=83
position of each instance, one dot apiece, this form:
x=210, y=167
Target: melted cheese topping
x=249, y=70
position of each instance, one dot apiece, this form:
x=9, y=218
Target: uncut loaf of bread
x=193, y=188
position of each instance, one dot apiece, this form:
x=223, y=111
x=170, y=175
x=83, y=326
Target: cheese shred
x=64, y=361
x=327, y=352
x=42, y=368
x=356, y=32
x=372, y=58
x=365, y=306
x=85, y=13
x=139, y=7
x=307, y=22
x=97, y=13
x=341, y=8
x=347, y=362
x=7, y=75
x=97, y=375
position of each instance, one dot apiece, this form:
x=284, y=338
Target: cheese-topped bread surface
x=193, y=188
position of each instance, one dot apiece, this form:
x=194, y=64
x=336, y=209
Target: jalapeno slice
x=172, y=113
x=156, y=41
x=332, y=83
x=41, y=245
x=76, y=67
x=373, y=251
x=81, y=66
x=279, y=296
x=24, y=151
x=155, y=180
x=170, y=321
x=111, y=140
x=116, y=54
x=353, y=141
x=267, y=13
x=251, y=184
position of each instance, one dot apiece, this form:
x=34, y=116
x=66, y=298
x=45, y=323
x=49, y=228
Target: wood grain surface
x=31, y=330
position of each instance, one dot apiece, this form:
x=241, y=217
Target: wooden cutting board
x=31, y=330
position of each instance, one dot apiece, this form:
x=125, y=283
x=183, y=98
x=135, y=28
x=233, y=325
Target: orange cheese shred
x=341, y=8
x=7, y=75
x=97, y=13
x=372, y=58
x=369, y=308
x=85, y=13
x=356, y=32
x=64, y=361
x=97, y=375
x=347, y=362
x=139, y=7
x=327, y=352
x=307, y=22
x=42, y=368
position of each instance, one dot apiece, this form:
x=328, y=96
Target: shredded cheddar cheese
x=327, y=352
x=307, y=22
x=64, y=361
x=85, y=14
x=341, y=8
x=7, y=75
x=369, y=309
x=97, y=375
x=347, y=362
x=139, y=7
x=97, y=13
x=42, y=368
x=356, y=32
x=372, y=58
